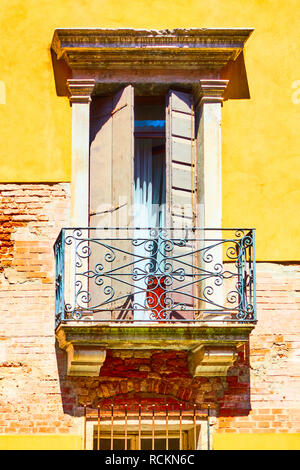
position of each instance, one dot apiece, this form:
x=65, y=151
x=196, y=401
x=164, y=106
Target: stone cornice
x=190, y=49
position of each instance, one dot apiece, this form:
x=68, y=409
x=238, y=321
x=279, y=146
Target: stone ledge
x=212, y=347
x=152, y=335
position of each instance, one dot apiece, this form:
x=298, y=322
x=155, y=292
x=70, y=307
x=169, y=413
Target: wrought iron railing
x=165, y=275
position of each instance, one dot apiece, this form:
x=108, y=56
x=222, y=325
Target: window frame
x=188, y=435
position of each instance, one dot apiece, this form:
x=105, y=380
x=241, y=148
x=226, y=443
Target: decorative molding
x=80, y=90
x=84, y=360
x=210, y=91
x=211, y=361
x=187, y=49
x=152, y=335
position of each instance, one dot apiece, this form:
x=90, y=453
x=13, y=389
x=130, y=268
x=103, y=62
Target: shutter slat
x=181, y=149
x=182, y=125
x=181, y=177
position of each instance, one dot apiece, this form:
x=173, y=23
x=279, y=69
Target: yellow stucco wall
x=263, y=441
x=232, y=441
x=261, y=138
x=40, y=442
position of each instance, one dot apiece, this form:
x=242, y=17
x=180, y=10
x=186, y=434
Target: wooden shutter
x=180, y=157
x=111, y=159
x=180, y=187
x=111, y=189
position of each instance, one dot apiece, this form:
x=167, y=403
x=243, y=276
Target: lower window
x=143, y=429
x=147, y=443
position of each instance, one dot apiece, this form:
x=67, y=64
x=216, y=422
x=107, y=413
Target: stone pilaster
x=209, y=97
x=80, y=98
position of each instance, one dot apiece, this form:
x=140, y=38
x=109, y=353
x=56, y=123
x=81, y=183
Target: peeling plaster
x=277, y=355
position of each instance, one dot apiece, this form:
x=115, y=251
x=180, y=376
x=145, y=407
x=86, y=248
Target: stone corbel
x=85, y=360
x=211, y=361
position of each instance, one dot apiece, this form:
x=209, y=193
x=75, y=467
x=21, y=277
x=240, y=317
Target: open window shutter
x=111, y=195
x=180, y=157
x=180, y=190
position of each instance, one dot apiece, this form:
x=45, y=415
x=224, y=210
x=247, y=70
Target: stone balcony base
x=212, y=347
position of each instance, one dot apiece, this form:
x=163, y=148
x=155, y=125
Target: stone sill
x=212, y=346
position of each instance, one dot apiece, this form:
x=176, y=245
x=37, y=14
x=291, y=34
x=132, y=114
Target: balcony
x=184, y=289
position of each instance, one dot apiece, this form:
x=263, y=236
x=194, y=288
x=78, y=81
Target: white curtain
x=148, y=198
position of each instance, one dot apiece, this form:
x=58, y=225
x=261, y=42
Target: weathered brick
x=47, y=401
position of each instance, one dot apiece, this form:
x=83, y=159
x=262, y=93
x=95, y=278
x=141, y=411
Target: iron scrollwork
x=156, y=274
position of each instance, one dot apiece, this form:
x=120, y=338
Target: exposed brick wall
x=30, y=396
x=145, y=373
x=273, y=381
x=260, y=393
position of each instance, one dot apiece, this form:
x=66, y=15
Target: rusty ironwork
x=130, y=427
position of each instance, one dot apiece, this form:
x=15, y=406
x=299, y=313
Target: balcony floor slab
x=212, y=347
x=152, y=335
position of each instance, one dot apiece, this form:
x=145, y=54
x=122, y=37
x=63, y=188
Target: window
x=142, y=174
x=154, y=63
x=149, y=162
x=141, y=428
x=159, y=442
x=142, y=160
x=112, y=77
